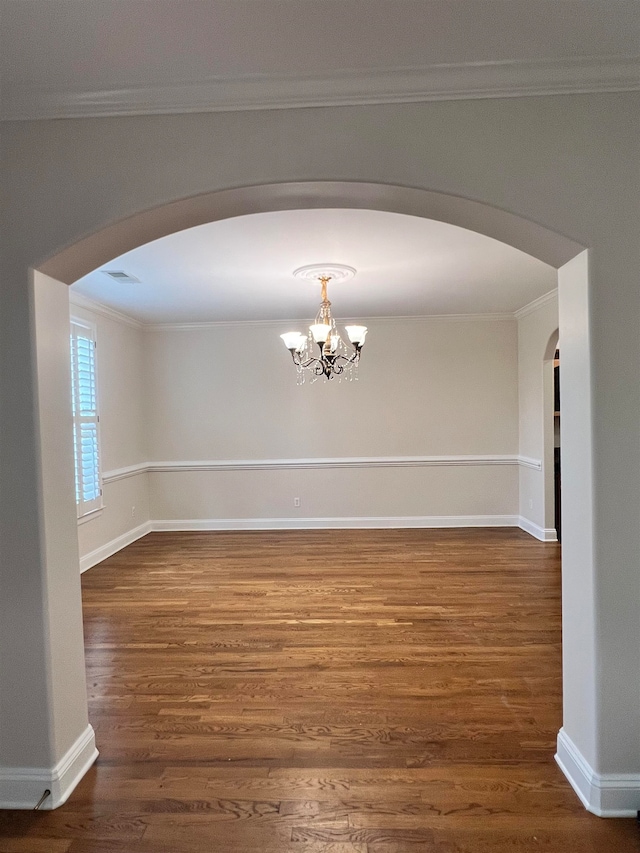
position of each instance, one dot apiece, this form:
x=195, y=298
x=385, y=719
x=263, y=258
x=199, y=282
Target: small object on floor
x=46, y=794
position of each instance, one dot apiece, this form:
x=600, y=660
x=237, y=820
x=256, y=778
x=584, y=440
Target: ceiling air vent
x=122, y=277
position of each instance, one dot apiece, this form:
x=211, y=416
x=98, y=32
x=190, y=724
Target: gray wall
x=568, y=163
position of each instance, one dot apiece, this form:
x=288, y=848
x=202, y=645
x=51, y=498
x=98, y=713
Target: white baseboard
x=355, y=522
x=22, y=787
x=115, y=545
x=544, y=534
x=332, y=523
x=604, y=794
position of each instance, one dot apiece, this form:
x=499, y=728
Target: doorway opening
x=557, y=478
x=58, y=510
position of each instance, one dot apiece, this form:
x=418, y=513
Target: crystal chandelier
x=322, y=352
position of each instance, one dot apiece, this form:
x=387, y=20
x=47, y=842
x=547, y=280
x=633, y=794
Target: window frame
x=85, y=509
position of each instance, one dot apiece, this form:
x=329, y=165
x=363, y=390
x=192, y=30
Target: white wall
x=437, y=387
x=580, y=647
x=123, y=431
x=205, y=426
x=52, y=744
x=536, y=325
x=426, y=436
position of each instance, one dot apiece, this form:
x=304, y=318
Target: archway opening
x=71, y=263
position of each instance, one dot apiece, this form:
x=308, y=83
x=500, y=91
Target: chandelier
x=322, y=352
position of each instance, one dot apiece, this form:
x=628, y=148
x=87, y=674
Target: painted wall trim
x=115, y=545
x=606, y=795
x=338, y=462
x=82, y=301
x=422, y=318
x=327, y=523
x=90, y=516
x=22, y=787
x=123, y=473
x=103, y=310
x=544, y=534
x=528, y=462
x=536, y=304
x=454, y=81
x=313, y=523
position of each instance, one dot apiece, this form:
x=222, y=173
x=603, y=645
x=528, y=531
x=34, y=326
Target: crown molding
x=536, y=304
x=100, y=308
x=81, y=301
x=438, y=318
x=348, y=88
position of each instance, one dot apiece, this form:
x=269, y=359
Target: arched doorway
x=74, y=741
x=115, y=239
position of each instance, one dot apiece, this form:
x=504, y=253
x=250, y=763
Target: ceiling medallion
x=333, y=357
x=332, y=272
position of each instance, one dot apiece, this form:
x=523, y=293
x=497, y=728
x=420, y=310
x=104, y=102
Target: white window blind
x=86, y=420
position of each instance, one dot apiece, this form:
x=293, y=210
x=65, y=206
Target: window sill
x=89, y=516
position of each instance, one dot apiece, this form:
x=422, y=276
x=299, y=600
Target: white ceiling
x=241, y=269
x=100, y=57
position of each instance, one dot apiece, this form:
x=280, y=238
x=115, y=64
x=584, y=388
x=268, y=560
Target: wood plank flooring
x=360, y=691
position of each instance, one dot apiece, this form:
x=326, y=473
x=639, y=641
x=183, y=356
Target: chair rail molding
x=311, y=463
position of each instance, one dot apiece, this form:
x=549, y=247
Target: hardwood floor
x=338, y=691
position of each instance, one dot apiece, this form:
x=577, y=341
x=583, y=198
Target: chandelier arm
x=297, y=360
x=352, y=359
x=326, y=364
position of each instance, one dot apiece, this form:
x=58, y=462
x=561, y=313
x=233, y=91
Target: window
x=86, y=421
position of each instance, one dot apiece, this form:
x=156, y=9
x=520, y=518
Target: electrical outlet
x=530, y=504
x=133, y=512
x=296, y=501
